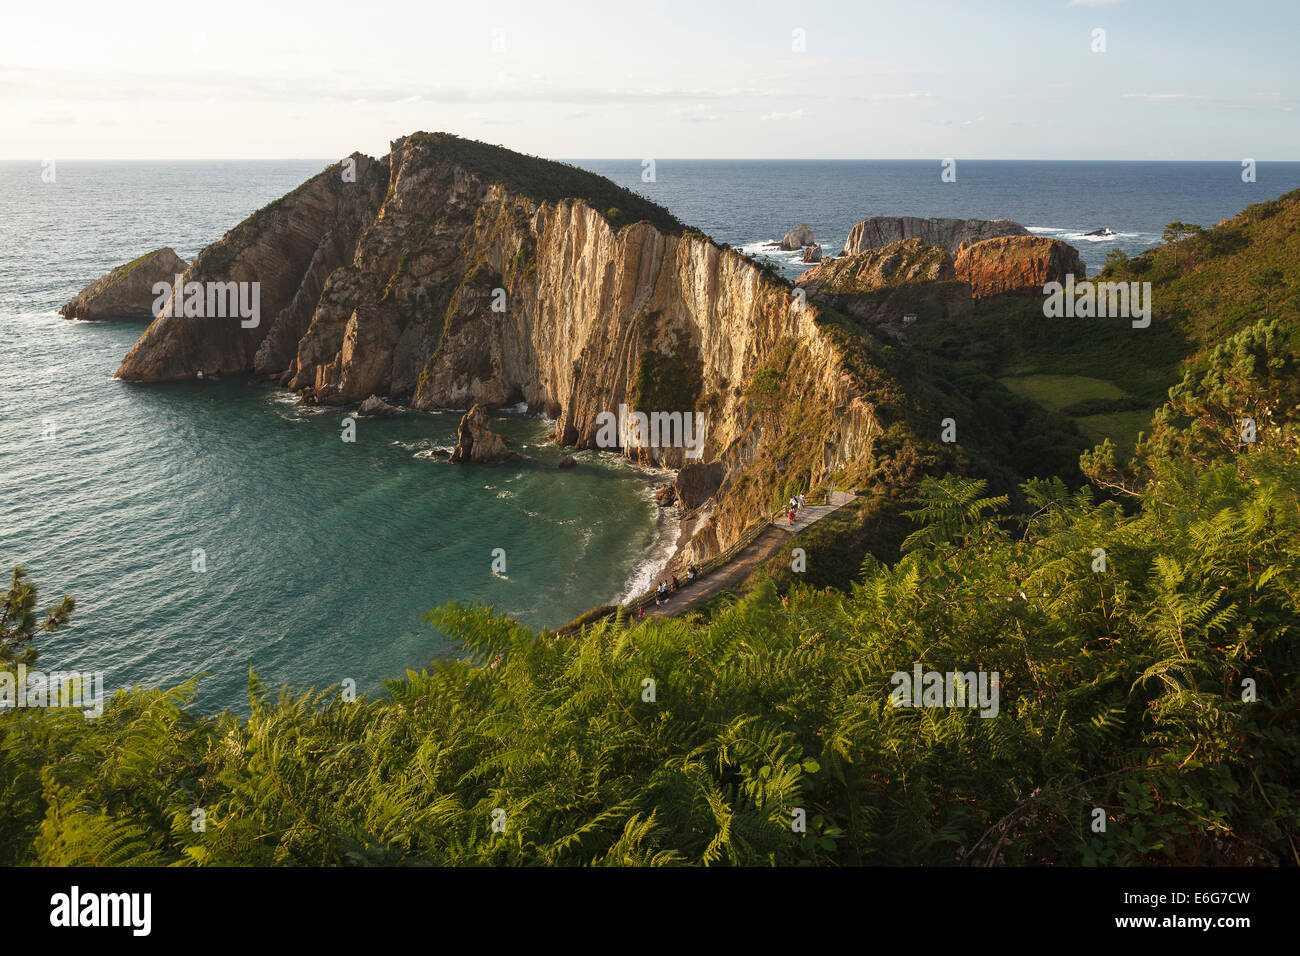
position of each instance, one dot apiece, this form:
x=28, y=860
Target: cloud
x=792, y=116
x=698, y=113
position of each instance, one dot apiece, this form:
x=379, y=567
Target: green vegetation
x=19, y=625
x=122, y=271
x=1161, y=689
x=544, y=180
x=1057, y=392
x=1214, y=282
x=1207, y=284
x=668, y=383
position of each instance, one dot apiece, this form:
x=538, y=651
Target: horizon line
x=638, y=159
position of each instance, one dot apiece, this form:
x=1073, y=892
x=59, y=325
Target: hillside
x=1109, y=377
x=1146, y=710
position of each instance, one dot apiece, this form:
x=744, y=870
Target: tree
x=1178, y=230
x=18, y=620
x=1265, y=282
x=1116, y=261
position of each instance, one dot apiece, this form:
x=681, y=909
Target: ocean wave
x=437, y=452
x=1081, y=235
x=651, y=565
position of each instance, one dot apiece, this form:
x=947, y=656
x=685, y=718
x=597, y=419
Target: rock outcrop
x=1016, y=264
x=798, y=237
x=949, y=234
x=127, y=291
x=696, y=483
x=885, y=285
x=376, y=407
x=906, y=261
x=476, y=441
x=812, y=253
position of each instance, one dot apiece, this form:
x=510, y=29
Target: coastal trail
x=733, y=570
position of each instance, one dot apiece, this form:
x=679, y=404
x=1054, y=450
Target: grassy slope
x=1204, y=288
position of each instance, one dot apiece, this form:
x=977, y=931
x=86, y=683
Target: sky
x=903, y=79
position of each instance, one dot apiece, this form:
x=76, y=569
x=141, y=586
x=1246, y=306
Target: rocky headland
x=453, y=274
x=127, y=292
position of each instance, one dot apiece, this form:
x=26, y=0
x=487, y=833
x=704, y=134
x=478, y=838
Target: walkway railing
x=747, y=537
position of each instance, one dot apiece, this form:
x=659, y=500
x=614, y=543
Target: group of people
x=795, y=504
x=666, y=588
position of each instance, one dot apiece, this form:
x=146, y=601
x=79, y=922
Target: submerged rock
x=568, y=461
x=127, y=291
x=477, y=442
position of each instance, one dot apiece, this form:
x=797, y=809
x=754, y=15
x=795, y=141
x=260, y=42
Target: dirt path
x=730, y=576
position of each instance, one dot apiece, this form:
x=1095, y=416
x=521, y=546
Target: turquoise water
x=321, y=556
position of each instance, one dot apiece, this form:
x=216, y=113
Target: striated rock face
x=127, y=291
x=477, y=442
x=1017, y=264
x=452, y=273
x=812, y=253
x=949, y=234
x=290, y=248
x=798, y=237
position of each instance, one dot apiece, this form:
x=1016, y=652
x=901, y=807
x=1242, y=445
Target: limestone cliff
x=948, y=234
x=451, y=273
x=127, y=291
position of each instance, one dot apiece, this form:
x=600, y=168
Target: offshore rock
x=376, y=407
x=798, y=237
x=477, y=442
x=949, y=234
x=885, y=285
x=127, y=291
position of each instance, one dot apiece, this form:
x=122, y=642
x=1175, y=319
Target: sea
x=217, y=527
